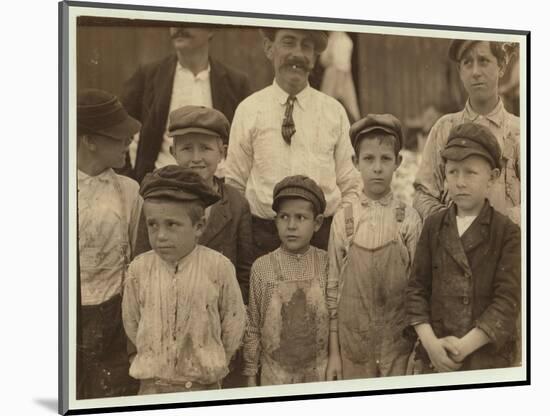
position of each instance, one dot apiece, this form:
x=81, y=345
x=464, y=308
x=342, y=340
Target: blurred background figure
x=509, y=83
x=337, y=78
x=190, y=76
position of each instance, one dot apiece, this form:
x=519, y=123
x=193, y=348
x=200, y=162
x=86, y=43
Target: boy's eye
x=152, y=224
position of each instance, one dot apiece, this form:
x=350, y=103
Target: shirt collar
x=368, y=202
x=296, y=255
x=281, y=95
x=496, y=116
x=102, y=177
x=204, y=75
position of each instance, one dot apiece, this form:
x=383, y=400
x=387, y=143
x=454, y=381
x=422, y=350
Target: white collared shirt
x=258, y=157
x=109, y=207
x=185, y=319
x=188, y=89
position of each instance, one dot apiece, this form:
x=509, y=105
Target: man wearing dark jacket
x=190, y=76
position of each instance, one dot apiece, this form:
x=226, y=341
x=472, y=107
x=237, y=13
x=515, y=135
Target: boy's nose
x=292, y=223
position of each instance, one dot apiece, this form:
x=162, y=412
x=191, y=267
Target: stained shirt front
x=186, y=319
x=109, y=206
x=263, y=281
x=373, y=228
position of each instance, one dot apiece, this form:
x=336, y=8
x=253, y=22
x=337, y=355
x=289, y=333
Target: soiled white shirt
x=109, y=206
x=258, y=157
x=186, y=320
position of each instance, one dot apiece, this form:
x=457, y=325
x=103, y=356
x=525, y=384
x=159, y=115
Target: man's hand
x=334, y=367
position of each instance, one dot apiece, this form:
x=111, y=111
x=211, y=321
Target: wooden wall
x=397, y=74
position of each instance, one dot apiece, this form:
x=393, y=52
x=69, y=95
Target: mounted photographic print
x=261, y=207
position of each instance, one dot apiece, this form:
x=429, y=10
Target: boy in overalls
x=287, y=330
x=371, y=248
x=109, y=207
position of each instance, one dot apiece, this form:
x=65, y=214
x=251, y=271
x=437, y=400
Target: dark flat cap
x=100, y=112
x=472, y=139
x=372, y=122
x=198, y=119
x=320, y=37
x=177, y=184
x=299, y=186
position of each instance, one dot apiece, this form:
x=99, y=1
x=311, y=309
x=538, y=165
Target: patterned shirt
x=109, y=207
x=186, y=320
x=373, y=227
x=263, y=280
x=431, y=190
x=258, y=157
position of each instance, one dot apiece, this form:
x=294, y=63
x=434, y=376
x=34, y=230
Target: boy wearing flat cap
x=182, y=306
x=109, y=207
x=287, y=129
x=481, y=64
x=372, y=244
x=463, y=297
x=200, y=136
x=287, y=328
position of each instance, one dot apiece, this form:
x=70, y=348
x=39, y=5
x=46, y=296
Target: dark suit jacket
x=228, y=231
x=458, y=283
x=147, y=96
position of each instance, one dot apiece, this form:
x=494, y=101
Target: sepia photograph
x=262, y=207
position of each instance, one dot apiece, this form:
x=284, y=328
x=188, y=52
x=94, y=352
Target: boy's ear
x=199, y=227
x=89, y=142
x=224, y=151
x=172, y=152
x=319, y=222
x=398, y=160
x=495, y=173
x=355, y=160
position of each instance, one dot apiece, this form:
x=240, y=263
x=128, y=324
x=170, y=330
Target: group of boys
x=352, y=309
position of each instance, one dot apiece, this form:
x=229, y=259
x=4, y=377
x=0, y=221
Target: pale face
x=377, y=162
x=293, y=56
x=171, y=233
x=199, y=152
x=189, y=39
x=480, y=73
x=469, y=181
x=109, y=152
x=296, y=224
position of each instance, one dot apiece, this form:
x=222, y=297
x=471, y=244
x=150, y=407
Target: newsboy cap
x=320, y=37
x=100, y=112
x=472, y=139
x=372, y=122
x=175, y=183
x=198, y=119
x=299, y=186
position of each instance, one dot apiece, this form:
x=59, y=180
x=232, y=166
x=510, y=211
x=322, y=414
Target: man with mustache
x=188, y=77
x=289, y=128
x=481, y=64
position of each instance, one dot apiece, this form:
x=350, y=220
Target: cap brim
x=457, y=153
x=187, y=130
x=293, y=193
x=123, y=130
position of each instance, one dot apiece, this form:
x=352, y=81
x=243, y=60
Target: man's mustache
x=299, y=63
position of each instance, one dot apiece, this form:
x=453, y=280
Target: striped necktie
x=288, y=129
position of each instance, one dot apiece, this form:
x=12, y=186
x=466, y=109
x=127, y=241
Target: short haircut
x=382, y=137
x=497, y=49
x=286, y=198
x=194, y=209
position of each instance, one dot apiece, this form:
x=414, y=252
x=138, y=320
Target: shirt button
x=188, y=385
x=465, y=300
